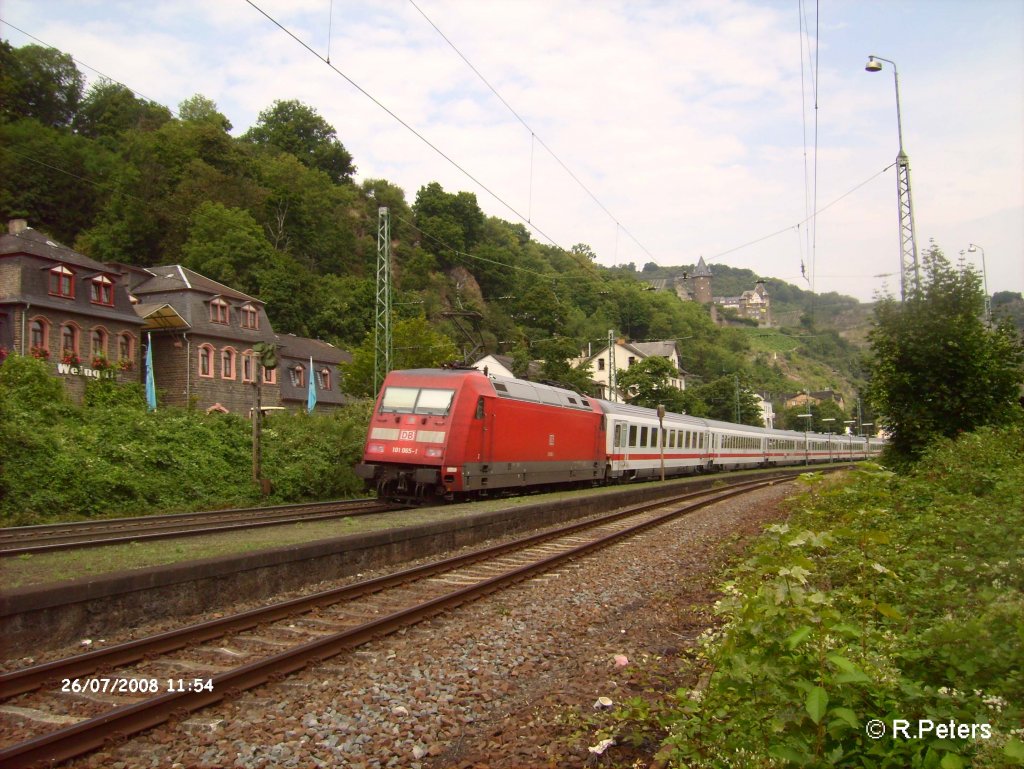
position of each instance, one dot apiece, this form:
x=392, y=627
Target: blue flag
x=311, y=395
x=150, y=382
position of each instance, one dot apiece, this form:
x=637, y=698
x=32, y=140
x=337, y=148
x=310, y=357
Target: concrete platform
x=41, y=617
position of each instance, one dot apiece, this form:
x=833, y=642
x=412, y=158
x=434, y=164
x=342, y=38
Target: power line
x=533, y=134
x=402, y=122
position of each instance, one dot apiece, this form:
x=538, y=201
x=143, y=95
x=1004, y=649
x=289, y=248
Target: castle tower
x=702, y=282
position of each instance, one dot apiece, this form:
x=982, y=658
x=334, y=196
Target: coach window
x=62, y=282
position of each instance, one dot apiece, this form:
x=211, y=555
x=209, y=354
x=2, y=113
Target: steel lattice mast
x=382, y=326
x=910, y=276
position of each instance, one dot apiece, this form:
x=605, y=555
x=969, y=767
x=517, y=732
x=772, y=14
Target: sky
x=651, y=130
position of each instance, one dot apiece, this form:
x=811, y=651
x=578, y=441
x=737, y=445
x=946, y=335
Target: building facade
x=93, y=320
x=623, y=355
x=66, y=309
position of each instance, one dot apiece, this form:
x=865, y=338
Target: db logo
x=407, y=435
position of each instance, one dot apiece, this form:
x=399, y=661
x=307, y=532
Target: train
x=455, y=434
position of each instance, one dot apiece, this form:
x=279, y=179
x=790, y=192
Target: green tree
x=227, y=245
x=40, y=83
x=290, y=126
x=417, y=344
x=648, y=384
x=199, y=109
x=556, y=356
x=937, y=368
x=724, y=395
x=110, y=109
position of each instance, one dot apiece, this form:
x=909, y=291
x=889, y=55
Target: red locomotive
x=453, y=432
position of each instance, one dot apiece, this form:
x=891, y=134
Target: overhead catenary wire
x=533, y=134
x=403, y=123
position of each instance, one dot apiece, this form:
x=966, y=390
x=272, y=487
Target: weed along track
x=67, y=536
x=53, y=712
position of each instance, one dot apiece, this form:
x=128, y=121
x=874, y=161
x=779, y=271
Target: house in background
x=93, y=320
x=294, y=354
x=64, y=308
x=626, y=355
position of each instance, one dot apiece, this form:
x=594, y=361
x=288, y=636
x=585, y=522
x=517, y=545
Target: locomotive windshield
x=415, y=400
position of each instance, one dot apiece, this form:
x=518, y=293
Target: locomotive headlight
x=375, y=448
x=435, y=453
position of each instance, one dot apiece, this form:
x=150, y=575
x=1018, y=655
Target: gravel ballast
x=508, y=681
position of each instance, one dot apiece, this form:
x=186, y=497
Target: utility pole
x=910, y=278
x=382, y=326
x=612, y=383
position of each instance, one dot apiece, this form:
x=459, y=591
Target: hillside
x=276, y=213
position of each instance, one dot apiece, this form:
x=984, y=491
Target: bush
x=883, y=598
x=111, y=457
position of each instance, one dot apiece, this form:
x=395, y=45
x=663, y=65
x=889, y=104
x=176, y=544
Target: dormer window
x=62, y=282
x=219, y=311
x=250, y=317
x=102, y=291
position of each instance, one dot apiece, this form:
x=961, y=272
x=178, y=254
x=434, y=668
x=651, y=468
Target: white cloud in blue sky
x=685, y=119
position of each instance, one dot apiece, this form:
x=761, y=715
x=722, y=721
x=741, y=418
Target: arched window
x=102, y=291
x=227, y=363
x=248, y=366
x=39, y=338
x=98, y=344
x=62, y=282
x=219, y=310
x=69, y=337
x=270, y=376
x=323, y=379
x=125, y=347
x=205, y=360
x=298, y=376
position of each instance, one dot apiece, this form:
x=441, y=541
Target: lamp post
x=909, y=275
x=849, y=431
x=828, y=435
x=972, y=248
x=661, y=437
x=807, y=427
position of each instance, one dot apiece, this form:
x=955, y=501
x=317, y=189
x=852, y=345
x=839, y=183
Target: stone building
x=89, y=319
x=66, y=309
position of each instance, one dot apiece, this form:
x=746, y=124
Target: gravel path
x=509, y=681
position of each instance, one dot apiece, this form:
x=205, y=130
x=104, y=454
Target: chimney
x=17, y=226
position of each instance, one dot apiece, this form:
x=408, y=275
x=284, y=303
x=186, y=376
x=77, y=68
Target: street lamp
x=972, y=248
x=908, y=237
x=661, y=437
x=828, y=435
x=807, y=428
x=849, y=431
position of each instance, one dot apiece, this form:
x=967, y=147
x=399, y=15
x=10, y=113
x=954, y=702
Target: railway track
x=67, y=536
x=91, y=699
